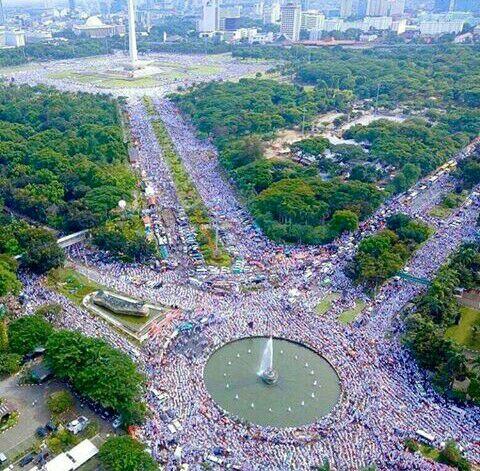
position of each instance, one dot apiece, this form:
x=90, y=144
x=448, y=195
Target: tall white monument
x=132, y=38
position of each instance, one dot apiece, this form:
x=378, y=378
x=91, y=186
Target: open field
x=350, y=314
x=71, y=284
x=160, y=73
x=463, y=333
x=324, y=305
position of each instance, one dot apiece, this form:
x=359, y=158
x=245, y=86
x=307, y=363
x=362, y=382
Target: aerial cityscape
x=240, y=234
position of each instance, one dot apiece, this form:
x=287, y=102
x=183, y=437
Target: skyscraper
x=467, y=5
x=377, y=8
x=71, y=5
x=291, y=21
x=361, y=7
x=443, y=6
x=397, y=7
x=2, y=14
x=210, y=21
x=346, y=8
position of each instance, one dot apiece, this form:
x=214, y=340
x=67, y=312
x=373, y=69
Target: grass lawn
x=350, y=314
x=429, y=452
x=463, y=332
x=450, y=202
x=71, y=284
x=324, y=305
x=440, y=212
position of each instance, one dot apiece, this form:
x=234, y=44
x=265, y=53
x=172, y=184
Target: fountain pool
x=306, y=386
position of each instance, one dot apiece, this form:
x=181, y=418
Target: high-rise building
x=346, y=8
x=468, y=5
x=443, y=6
x=71, y=5
x=210, y=20
x=361, y=7
x=272, y=13
x=397, y=7
x=291, y=21
x=438, y=27
x=230, y=15
x=377, y=8
x=312, y=19
x=2, y=14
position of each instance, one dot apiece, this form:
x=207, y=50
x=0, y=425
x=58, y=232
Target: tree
x=451, y=455
x=42, y=252
x=125, y=454
x=9, y=363
x=98, y=371
x=344, y=221
x=27, y=333
x=9, y=283
x=59, y=402
x=51, y=312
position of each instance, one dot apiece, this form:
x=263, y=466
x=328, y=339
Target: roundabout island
x=271, y=382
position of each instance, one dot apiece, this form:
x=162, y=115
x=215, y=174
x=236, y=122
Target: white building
x=376, y=22
x=32, y=37
x=291, y=21
x=334, y=24
x=397, y=7
x=377, y=7
x=210, y=20
x=95, y=28
x=272, y=13
x=312, y=19
x=436, y=28
x=14, y=38
x=399, y=26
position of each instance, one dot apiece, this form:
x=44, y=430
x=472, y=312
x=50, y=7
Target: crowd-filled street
x=385, y=397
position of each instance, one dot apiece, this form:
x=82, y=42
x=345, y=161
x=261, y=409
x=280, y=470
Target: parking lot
x=30, y=401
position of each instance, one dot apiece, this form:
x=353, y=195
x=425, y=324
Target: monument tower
x=132, y=39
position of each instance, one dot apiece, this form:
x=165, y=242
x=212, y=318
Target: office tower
x=71, y=5
x=312, y=19
x=467, y=5
x=346, y=8
x=305, y=4
x=291, y=21
x=377, y=8
x=443, y=6
x=272, y=13
x=397, y=7
x=210, y=21
x=229, y=18
x=362, y=8
x=2, y=14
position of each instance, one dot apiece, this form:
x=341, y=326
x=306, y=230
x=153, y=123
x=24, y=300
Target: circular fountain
x=269, y=383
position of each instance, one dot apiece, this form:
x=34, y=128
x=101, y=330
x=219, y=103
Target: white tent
x=73, y=458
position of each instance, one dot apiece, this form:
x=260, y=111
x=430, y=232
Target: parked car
x=50, y=426
x=27, y=459
x=77, y=425
x=41, y=432
x=117, y=422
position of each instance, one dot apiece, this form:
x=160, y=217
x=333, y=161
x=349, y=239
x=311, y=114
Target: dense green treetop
x=125, y=454
x=61, y=156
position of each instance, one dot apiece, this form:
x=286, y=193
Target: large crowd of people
x=385, y=397
x=158, y=74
